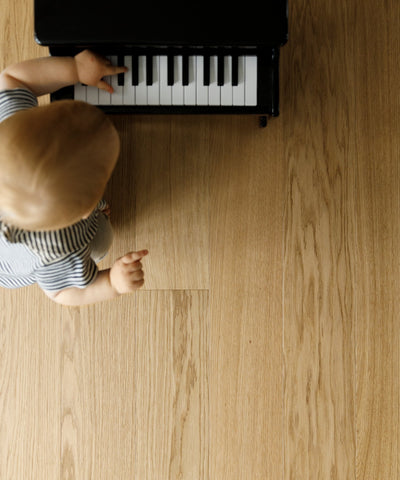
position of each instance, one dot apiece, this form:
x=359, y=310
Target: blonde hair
x=55, y=161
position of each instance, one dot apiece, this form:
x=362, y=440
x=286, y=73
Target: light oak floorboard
x=164, y=175
x=246, y=299
x=98, y=391
x=30, y=386
x=319, y=247
x=378, y=252
x=266, y=342
x=172, y=420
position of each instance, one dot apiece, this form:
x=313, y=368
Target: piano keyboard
x=179, y=80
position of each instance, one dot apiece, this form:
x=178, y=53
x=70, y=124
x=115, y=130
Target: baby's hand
x=126, y=275
x=91, y=68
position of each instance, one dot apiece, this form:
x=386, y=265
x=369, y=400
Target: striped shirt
x=57, y=259
x=13, y=100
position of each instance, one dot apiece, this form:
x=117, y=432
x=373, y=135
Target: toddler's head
x=55, y=162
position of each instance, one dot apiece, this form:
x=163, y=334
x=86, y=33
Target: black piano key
x=235, y=70
x=135, y=70
x=220, y=74
x=149, y=70
x=121, y=76
x=185, y=70
x=206, y=70
x=170, y=67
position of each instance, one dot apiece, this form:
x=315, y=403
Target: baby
x=55, y=162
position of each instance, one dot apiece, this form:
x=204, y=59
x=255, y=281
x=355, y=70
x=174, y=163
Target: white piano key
x=165, y=89
x=189, y=91
x=251, y=80
x=201, y=89
x=177, y=88
x=238, y=90
x=141, y=88
x=128, y=88
x=92, y=95
x=226, y=89
x=160, y=93
x=117, y=97
x=214, y=90
x=80, y=92
x=105, y=97
x=153, y=91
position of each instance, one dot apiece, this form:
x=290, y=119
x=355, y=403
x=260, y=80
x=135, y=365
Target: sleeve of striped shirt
x=11, y=101
x=76, y=270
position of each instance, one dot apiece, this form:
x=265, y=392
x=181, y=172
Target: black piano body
x=229, y=49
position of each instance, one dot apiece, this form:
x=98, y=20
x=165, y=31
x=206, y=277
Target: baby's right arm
x=125, y=276
x=48, y=74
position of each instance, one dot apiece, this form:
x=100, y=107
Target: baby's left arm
x=48, y=74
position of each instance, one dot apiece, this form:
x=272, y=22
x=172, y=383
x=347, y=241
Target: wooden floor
x=266, y=341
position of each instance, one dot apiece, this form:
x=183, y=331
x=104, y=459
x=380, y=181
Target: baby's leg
x=101, y=243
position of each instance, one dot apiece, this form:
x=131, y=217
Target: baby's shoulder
x=12, y=101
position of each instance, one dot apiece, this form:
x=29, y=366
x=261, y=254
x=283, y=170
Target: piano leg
x=263, y=121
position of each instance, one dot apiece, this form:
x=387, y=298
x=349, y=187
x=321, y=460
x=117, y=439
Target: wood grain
x=377, y=256
x=30, y=386
x=245, y=300
x=266, y=341
x=98, y=391
x=164, y=170
x=172, y=400
x=319, y=275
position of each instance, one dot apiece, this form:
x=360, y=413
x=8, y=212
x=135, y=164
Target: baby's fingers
x=111, y=70
x=132, y=257
x=103, y=85
x=114, y=69
x=136, y=276
x=133, y=267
